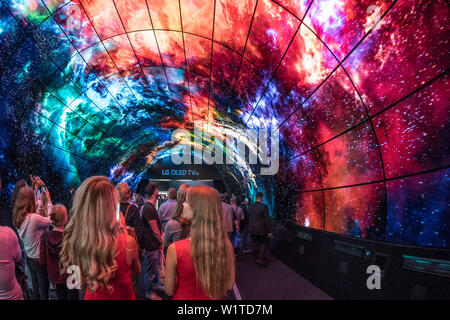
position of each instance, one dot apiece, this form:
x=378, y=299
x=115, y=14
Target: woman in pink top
x=202, y=266
x=9, y=255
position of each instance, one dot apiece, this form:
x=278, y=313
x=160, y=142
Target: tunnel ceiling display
x=357, y=90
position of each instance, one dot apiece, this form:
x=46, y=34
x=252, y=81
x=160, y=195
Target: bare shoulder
x=172, y=248
x=171, y=256
x=130, y=242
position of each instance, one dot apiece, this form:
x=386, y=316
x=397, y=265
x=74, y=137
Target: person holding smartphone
x=42, y=196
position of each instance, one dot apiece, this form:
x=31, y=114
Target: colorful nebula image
x=357, y=90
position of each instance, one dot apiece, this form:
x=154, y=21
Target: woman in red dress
x=201, y=267
x=97, y=242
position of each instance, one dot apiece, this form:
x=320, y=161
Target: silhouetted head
x=259, y=196
x=19, y=185
x=24, y=204
x=124, y=192
x=172, y=194
x=151, y=192
x=58, y=215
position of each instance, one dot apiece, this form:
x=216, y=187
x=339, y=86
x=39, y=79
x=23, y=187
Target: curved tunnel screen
x=358, y=91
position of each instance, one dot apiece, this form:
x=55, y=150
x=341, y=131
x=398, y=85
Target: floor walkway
x=274, y=282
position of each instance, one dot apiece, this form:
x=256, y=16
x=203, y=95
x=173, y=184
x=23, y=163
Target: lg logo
x=374, y=280
x=74, y=278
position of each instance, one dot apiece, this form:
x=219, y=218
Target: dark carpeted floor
x=274, y=282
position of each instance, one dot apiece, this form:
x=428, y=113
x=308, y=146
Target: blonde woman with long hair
x=202, y=266
x=96, y=242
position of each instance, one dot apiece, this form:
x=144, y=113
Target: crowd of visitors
x=186, y=244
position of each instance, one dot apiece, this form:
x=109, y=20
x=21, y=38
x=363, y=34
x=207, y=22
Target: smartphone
x=43, y=189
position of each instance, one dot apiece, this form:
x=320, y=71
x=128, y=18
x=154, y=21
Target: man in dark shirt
x=259, y=228
x=151, y=241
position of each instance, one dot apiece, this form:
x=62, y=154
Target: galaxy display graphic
x=358, y=90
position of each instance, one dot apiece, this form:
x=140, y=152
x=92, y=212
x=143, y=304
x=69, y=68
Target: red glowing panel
x=402, y=53
x=144, y=43
x=296, y=7
x=233, y=15
x=272, y=30
x=412, y=134
x=99, y=60
x=200, y=110
x=104, y=17
x=198, y=54
x=341, y=24
x=333, y=108
x=354, y=210
x=197, y=16
x=121, y=52
x=165, y=14
x=307, y=172
x=309, y=210
x=225, y=64
x=134, y=14
x=350, y=159
x=306, y=64
x=171, y=47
